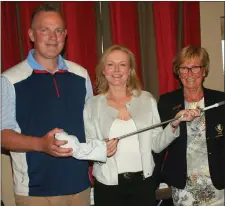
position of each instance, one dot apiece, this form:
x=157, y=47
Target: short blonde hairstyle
x=133, y=83
x=188, y=53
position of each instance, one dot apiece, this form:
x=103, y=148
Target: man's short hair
x=44, y=8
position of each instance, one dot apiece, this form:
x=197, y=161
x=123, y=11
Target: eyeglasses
x=194, y=69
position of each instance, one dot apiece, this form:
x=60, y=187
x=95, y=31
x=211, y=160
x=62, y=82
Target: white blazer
x=98, y=118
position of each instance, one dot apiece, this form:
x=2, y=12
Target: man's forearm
x=16, y=142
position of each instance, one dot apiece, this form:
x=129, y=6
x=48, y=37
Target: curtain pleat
x=104, y=39
x=148, y=48
x=10, y=49
x=81, y=42
x=25, y=10
x=165, y=24
x=180, y=27
x=124, y=27
x=191, y=23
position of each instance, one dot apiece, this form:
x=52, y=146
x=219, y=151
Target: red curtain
x=165, y=24
x=124, y=27
x=10, y=41
x=191, y=22
x=81, y=28
x=26, y=10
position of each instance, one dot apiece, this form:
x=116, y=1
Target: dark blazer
x=174, y=171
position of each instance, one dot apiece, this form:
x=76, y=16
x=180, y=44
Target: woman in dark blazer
x=194, y=162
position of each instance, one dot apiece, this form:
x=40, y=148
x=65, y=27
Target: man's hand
x=111, y=146
x=51, y=146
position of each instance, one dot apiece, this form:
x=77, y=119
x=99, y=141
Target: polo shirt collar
x=34, y=64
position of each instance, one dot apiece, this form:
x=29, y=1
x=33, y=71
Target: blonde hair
x=133, y=83
x=188, y=53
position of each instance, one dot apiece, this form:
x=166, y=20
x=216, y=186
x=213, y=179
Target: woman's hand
x=111, y=146
x=187, y=116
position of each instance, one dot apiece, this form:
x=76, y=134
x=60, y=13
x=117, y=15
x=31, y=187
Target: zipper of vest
x=56, y=87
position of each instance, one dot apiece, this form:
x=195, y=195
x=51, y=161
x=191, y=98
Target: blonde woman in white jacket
x=121, y=107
